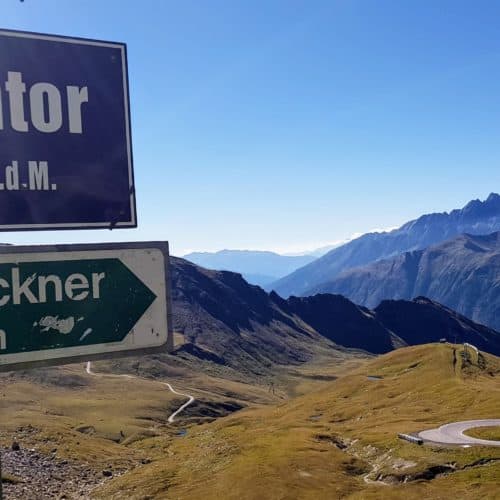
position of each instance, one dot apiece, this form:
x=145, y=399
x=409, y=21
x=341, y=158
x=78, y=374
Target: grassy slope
x=107, y=407
x=290, y=450
x=490, y=433
x=48, y=409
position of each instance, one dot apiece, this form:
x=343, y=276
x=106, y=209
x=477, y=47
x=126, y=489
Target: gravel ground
x=47, y=477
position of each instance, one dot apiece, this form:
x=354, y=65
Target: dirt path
x=171, y=418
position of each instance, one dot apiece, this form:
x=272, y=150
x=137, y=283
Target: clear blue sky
x=290, y=124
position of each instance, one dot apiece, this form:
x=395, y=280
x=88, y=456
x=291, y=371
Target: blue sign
x=65, y=144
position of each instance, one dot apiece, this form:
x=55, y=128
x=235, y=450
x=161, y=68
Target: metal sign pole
x=1, y=477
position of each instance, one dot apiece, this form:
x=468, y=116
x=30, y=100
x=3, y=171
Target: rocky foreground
x=28, y=474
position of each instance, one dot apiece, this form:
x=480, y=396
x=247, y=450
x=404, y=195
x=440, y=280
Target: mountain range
x=463, y=273
x=228, y=322
x=257, y=267
x=477, y=217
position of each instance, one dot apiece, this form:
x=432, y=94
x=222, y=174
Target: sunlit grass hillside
x=340, y=441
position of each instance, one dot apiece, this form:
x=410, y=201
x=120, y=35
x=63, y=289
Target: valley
x=341, y=439
x=91, y=424
x=328, y=426
x=261, y=397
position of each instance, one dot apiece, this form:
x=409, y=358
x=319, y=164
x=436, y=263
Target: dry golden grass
x=104, y=420
x=107, y=409
x=331, y=441
x=490, y=433
x=293, y=449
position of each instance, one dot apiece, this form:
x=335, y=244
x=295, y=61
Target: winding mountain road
x=171, y=418
x=454, y=433
x=182, y=407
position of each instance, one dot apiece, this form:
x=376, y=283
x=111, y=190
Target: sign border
x=132, y=223
x=141, y=245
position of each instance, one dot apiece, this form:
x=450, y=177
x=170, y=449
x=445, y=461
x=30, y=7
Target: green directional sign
x=47, y=305
x=81, y=303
